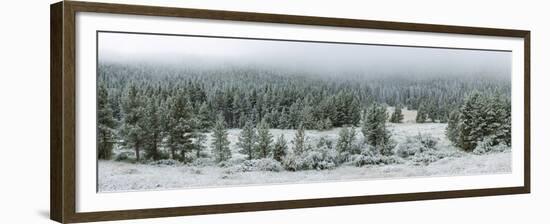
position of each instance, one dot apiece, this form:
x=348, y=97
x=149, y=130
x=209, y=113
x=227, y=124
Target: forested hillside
x=147, y=107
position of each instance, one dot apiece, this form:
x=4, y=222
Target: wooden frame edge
x=56, y=96
x=62, y=111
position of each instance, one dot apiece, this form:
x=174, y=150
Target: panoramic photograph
x=183, y=111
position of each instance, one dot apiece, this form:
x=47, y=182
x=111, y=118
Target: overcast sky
x=302, y=56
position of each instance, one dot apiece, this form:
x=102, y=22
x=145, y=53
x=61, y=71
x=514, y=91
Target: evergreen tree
x=284, y=119
x=220, y=143
x=280, y=148
x=470, y=130
x=264, y=140
x=374, y=128
x=397, y=115
x=133, y=120
x=180, y=127
x=345, y=140
x=325, y=124
x=299, y=141
x=432, y=112
x=306, y=117
x=481, y=118
x=421, y=115
x=295, y=114
x=152, y=130
x=106, y=124
x=452, y=131
x=199, y=144
x=204, y=117
x=247, y=140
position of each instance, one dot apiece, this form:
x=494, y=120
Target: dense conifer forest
x=147, y=107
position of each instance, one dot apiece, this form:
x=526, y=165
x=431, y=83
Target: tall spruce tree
x=280, y=148
x=220, y=143
x=199, y=144
x=374, y=128
x=133, y=121
x=470, y=129
x=397, y=115
x=106, y=124
x=345, y=140
x=480, y=118
x=153, y=130
x=421, y=114
x=180, y=127
x=204, y=117
x=265, y=139
x=299, y=141
x=247, y=140
x=452, y=130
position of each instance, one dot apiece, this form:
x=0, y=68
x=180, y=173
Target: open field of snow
x=119, y=176
x=125, y=176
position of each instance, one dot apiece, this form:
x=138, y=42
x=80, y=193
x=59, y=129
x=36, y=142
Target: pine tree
x=106, y=124
x=280, y=148
x=152, y=130
x=345, y=140
x=306, y=117
x=481, y=118
x=421, y=115
x=133, y=120
x=199, y=144
x=374, y=128
x=397, y=115
x=180, y=127
x=325, y=124
x=432, y=112
x=247, y=140
x=452, y=131
x=295, y=114
x=204, y=117
x=284, y=119
x=470, y=127
x=264, y=140
x=220, y=143
x=299, y=141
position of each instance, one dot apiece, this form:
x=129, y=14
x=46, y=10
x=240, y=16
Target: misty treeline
x=149, y=108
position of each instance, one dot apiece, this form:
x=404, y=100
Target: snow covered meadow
x=447, y=161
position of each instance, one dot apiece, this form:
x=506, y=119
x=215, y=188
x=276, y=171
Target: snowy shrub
x=406, y=149
x=324, y=142
x=268, y=165
x=257, y=165
x=427, y=141
x=488, y=146
x=315, y=159
x=369, y=156
x=191, y=170
x=427, y=157
x=202, y=162
x=418, y=144
x=224, y=164
x=291, y=162
x=123, y=156
x=362, y=160
x=320, y=159
x=236, y=161
x=165, y=162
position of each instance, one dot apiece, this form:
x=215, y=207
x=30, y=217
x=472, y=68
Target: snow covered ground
x=124, y=176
